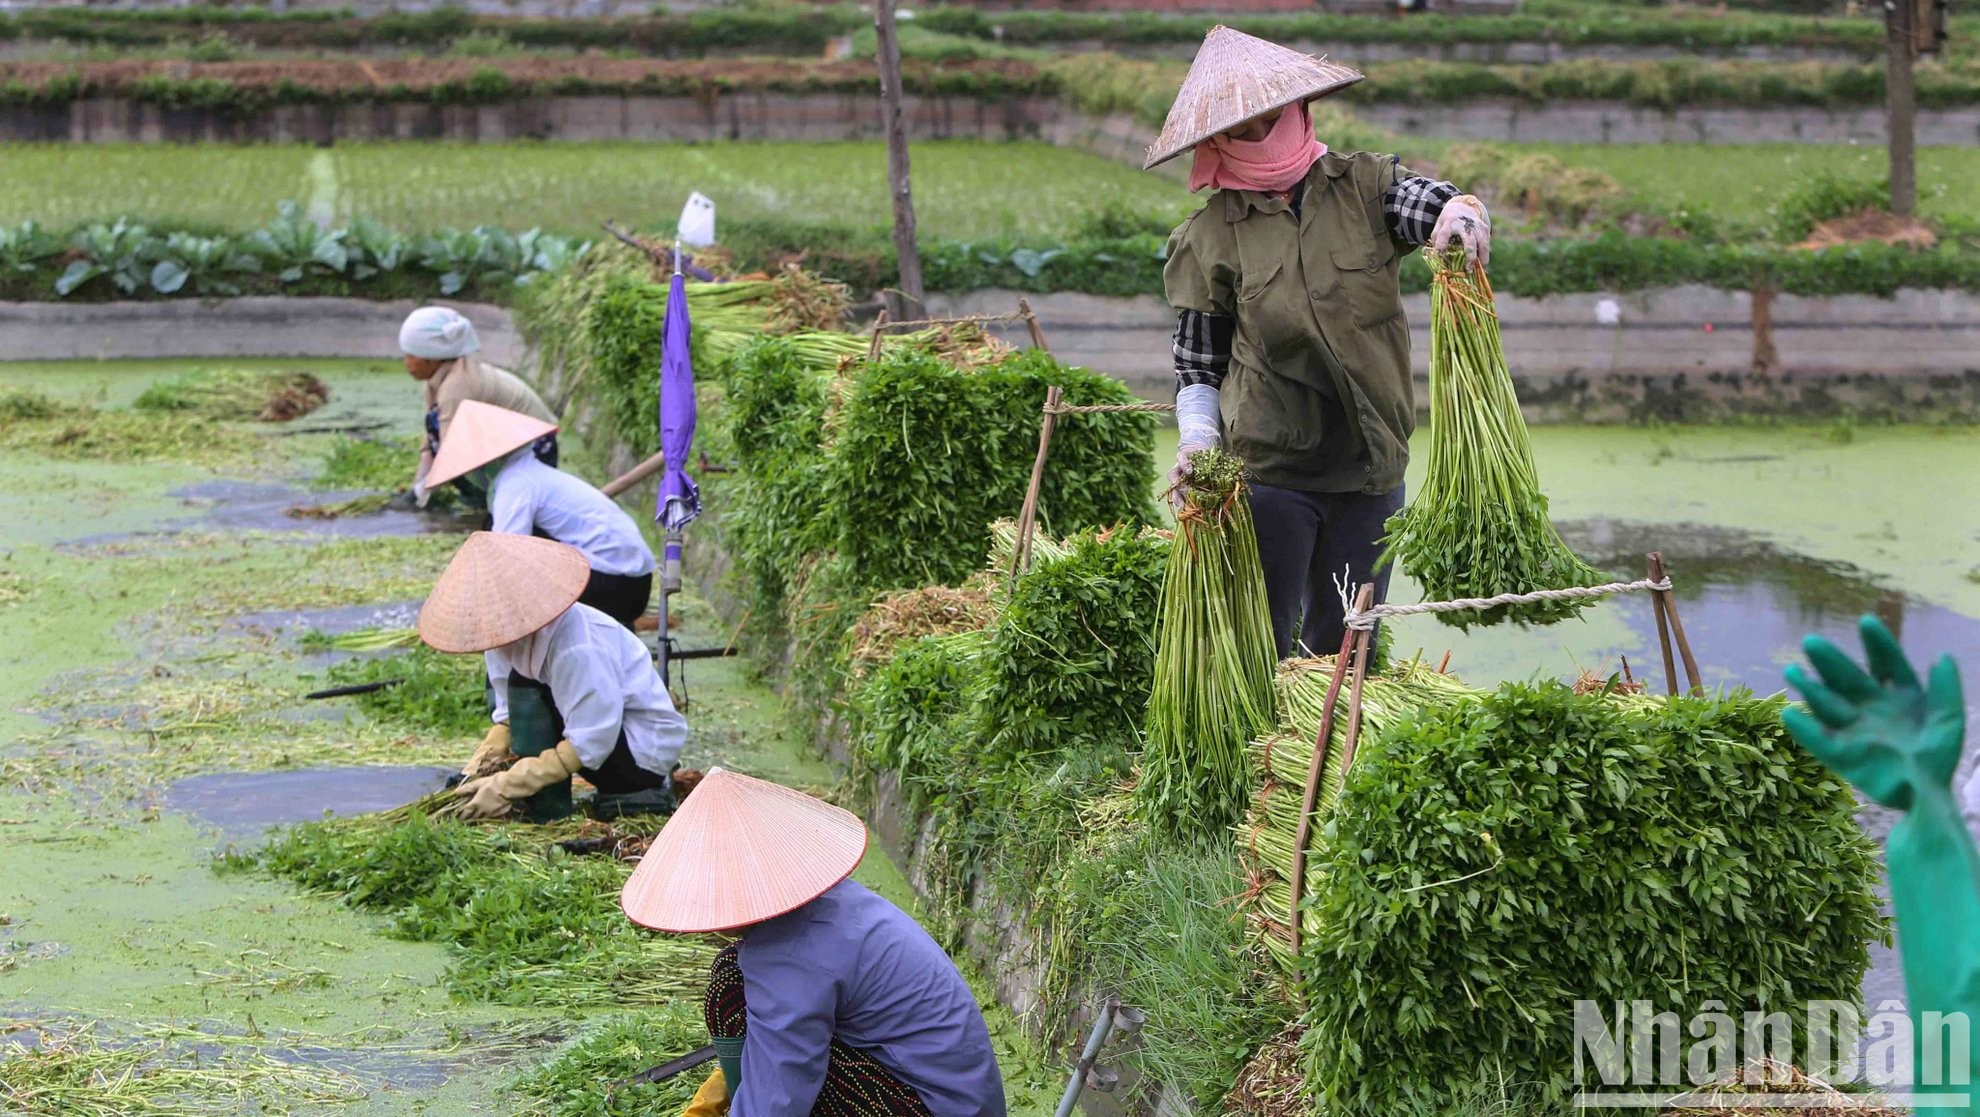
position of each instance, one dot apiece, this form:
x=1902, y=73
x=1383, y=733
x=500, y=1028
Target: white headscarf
x=437, y=333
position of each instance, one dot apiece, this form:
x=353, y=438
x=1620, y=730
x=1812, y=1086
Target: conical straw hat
x=480, y=433
x=740, y=851
x=499, y=588
x=1236, y=77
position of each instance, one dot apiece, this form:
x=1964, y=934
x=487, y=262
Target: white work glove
x=1197, y=423
x=1465, y=223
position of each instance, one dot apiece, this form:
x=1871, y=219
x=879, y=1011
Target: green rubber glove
x=1899, y=742
x=1880, y=730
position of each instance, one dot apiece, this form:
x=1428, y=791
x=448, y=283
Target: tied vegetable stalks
x=1479, y=526
x=1213, y=659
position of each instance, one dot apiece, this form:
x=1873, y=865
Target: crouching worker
x=577, y=693
x=439, y=345
x=495, y=449
x=830, y=1000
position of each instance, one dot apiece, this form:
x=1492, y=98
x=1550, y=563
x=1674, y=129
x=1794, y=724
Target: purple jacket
x=852, y=967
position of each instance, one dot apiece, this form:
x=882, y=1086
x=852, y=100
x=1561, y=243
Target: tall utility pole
x=894, y=120
x=1901, y=103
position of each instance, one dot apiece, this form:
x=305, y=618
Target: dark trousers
x=1305, y=542
x=619, y=775
x=621, y=597
x=856, y=1085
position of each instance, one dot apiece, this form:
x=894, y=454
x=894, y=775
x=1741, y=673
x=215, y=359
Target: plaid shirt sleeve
x=1412, y=206
x=1203, y=347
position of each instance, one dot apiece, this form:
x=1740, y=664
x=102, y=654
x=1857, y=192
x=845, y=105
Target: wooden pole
x=1031, y=323
x=1669, y=602
x=1348, y=640
x=893, y=122
x=1901, y=104
x=635, y=475
x=879, y=329
x=1028, y=515
x=1663, y=625
x=1364, y=638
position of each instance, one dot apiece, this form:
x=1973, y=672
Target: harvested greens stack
x=1478, y=527
x=1213, y=660
x=1265, y=842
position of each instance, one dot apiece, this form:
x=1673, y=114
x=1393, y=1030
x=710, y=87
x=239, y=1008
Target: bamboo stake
x=1663, y=626
x=1031, y=323
x=1298, y=882
x=1362, y=639
x=1677, y=629
x=1027, y=516
x=879, y=329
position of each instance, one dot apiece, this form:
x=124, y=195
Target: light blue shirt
x=528, y=495
x=852, y=967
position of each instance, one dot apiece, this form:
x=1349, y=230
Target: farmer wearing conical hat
x=578, y=691
x=439, y=346
x=1290, y=336
x=832, y=1001
x=495, y=449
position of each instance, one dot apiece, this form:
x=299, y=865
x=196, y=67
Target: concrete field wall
x=1671, y=354
x=853, y=116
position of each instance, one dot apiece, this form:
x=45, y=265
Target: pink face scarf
x=1271, y=165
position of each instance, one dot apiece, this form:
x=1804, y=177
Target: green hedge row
x=494, y=82
x=807, y=30
x=1590, y=26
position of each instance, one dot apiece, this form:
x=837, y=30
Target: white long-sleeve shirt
x=528, y=495
x=601, y=680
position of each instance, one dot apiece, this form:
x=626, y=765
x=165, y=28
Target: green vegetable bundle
x=1283, y=760
x=1493, y=861
x=1478, y=527
x=1214, y=658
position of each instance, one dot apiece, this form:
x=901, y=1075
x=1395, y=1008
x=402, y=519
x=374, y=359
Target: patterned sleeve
x=1203, y=347
x=1412, y=206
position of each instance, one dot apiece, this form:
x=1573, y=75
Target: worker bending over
x=494, y=448
x=576, y=692
x=439, y=345
x=1290, y=340
x=831, y=1000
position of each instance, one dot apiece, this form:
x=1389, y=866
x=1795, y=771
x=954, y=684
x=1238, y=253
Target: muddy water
x=241, y=806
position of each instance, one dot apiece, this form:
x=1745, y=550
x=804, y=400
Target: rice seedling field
x=963, y=190
x=1742, y=182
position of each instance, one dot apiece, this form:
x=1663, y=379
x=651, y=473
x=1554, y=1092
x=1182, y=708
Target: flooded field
x=153, y=663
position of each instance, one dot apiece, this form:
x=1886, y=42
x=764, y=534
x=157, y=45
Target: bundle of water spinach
x=1213, y=659
x=1478, y=526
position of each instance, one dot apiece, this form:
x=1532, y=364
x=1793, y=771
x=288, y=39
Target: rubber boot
x=535, y=727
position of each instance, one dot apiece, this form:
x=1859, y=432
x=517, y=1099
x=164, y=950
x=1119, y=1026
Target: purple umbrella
x=680, y=497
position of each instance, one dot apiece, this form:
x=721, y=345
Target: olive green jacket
x=1318, y=395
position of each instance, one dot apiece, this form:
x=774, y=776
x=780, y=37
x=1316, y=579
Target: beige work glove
x=712, y=1100
x=497, y=795
x=490, y=754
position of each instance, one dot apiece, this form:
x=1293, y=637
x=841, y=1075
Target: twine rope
x=1361, y=620
x=1107, y=408
x=979, y=319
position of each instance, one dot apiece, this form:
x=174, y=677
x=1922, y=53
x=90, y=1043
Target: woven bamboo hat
x=480, y=433
x=1236, y=77
x=740, y=851
x=499, y=588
